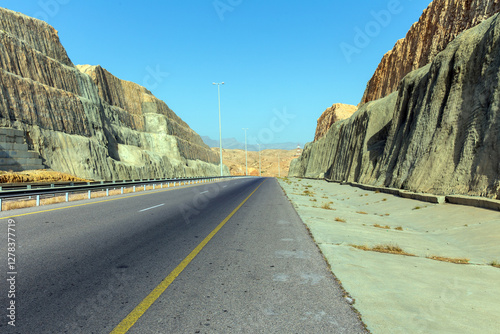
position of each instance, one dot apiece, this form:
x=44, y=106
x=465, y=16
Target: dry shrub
x=388, y=248
x=449, y=259
x=380, y=226
x=337, y=219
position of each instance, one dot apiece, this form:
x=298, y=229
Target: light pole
x=220, y=129
x=259, y=159
x=279, y=170
x=246, y=152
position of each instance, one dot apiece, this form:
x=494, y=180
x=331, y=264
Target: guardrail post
x=67, y=197
x=107, y=192
x=122, y=190
x=161, y=185
x=153, y=186
x=144, y=187
x=0, y=204
x=52, y=185
x=37, y=200
x=89, y=194
x=134, y=188
x=28, y=186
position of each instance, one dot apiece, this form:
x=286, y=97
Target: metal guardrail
x=29, y=191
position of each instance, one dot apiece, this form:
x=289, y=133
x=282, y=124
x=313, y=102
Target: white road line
x=224, y=186
x=206, y=191
x=151, y=207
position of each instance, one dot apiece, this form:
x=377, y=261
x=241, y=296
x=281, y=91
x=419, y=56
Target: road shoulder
x=396, y=293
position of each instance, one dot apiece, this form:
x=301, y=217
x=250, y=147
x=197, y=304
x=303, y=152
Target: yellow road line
x=144, y=305
x=103, y=201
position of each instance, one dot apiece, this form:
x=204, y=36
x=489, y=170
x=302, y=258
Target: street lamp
x=259, y=159
x=279, y=170
x=246, y=152
x=220, y=129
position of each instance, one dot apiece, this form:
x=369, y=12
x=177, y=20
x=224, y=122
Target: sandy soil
x=235, y=161
x=406, y=294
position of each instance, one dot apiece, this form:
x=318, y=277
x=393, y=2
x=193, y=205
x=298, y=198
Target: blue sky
x=283, y=62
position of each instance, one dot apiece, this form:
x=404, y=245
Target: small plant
x=313, y=200
x=417, y=208
x=337, y=219
x=449, y=259
x=361, y=212
x=495, y=264
x=377, y=191
x=384, y=199
x=399, y=228
x=326, y=206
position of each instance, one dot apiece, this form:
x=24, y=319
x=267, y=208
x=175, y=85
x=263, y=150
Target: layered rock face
x=439, y=133
x=335, y=113
x=85, y=121
x=439, y=24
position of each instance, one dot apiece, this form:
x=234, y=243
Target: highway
x=226, y=257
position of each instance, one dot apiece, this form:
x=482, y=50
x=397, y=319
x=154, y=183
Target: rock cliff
x=85, y=121
x=335, y=113
x=438, y=133
x=439, y=24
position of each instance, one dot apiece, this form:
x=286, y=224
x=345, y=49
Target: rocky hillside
x=235, y=160
x=335, y=113
x=438, y=133
x=85, y=121
x=439, y=24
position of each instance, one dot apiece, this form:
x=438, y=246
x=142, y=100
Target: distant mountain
x=232, y=143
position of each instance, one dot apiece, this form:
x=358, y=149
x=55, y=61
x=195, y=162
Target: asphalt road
x=85, y=268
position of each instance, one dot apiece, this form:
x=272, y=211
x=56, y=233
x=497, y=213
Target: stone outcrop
x=83, y=120
x=439, y=24
x=335, y=113
x=438, y=133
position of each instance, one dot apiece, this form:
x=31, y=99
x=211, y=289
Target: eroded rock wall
x=438, y=133
x=440, y=23
x=84, y=120
x=335, y=113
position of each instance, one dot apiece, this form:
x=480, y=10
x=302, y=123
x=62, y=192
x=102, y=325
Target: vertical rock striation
x=440, y=23
x=85, y=121
x=438, y=133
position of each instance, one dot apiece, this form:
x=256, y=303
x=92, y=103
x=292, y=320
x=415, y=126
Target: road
x=226, y=257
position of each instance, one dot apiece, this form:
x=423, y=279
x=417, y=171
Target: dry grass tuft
x=337, y=219
x=361, y=212
x=449, y=259
x=327, y=206
x=40, y=175
x=391, y=249
x=399, y=228
x=380, y=226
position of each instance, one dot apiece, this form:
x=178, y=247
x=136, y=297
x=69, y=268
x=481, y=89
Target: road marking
x=204, y=192
x=156, y=206
x=146, y=303
x=224, y=186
